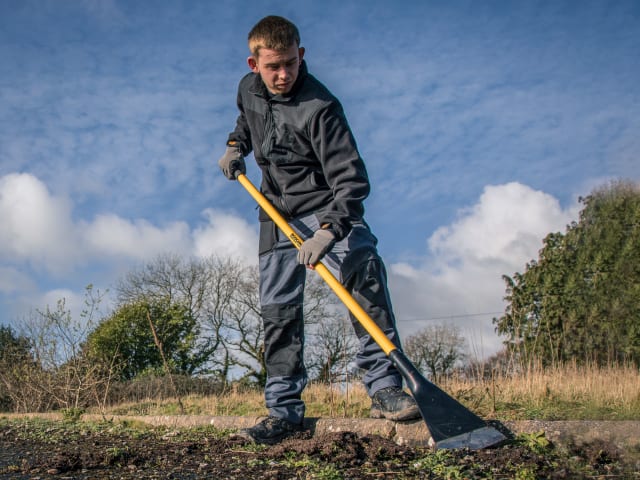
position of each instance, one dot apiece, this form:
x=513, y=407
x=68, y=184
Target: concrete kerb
x=414, y=433
x=625, y=435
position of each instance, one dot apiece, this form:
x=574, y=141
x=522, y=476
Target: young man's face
x=277, y=68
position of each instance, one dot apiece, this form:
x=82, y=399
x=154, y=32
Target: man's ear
x=301, y=53
x=253, y=64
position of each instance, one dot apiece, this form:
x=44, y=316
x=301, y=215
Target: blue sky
x=481, y=122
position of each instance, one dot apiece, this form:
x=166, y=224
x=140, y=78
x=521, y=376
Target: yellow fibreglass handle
x=365, y=320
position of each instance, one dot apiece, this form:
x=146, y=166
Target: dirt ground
x=37, y=450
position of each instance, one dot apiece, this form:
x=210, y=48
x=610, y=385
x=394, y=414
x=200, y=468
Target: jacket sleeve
x=241, y=135
x=343, y=169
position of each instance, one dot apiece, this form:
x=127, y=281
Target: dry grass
x=567, y=392
x=321, y=401
x=561, y=392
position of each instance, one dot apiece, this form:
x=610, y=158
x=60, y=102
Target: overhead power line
x=449, y=317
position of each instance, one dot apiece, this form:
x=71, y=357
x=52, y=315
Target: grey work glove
x=231, y=162
x=313, y=249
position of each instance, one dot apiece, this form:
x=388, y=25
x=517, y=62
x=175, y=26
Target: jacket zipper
x=266, y=147
x=269, y=131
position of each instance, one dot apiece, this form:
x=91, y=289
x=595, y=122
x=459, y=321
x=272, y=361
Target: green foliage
x=536, y=441
x=581, y=299
x=13, y=348
x=126, y=339
x=15, y=353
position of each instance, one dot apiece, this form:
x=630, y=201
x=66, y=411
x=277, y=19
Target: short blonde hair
x=273, y=32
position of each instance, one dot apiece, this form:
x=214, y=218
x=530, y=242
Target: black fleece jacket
x=304, y=146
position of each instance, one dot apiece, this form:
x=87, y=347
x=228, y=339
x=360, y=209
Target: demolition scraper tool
x=450, y=423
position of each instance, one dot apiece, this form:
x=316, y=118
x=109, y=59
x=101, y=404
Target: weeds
x=537, y=441
x=315, y=469
x=440, y=463
x=117, y=455
x=72, y=414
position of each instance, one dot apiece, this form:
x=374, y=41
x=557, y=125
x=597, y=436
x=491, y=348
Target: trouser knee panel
x=284, y=340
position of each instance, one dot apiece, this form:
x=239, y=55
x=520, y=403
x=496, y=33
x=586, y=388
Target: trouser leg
x=365, y=277
x=355, y=262
x=281, y=297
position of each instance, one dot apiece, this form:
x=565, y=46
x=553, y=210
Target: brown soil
x=63, y=451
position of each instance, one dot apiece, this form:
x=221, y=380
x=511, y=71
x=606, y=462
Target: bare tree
x=328, y=341
x=436, y=349
x=205, y=287
x=168, y=278
x=331, y=347
x=59, y=374
x=245, y=330
x=223, y=295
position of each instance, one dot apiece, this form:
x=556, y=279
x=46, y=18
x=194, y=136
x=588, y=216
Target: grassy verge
x=560, y=393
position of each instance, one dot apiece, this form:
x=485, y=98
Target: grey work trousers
x=356, y=264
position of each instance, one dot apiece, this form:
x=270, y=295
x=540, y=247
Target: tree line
x=193, y=318
x=198, y=322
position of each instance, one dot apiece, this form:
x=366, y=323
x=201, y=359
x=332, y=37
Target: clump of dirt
x=34, y=450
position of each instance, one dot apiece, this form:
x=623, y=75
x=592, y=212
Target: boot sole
x=247, y=437
x=409, y=413
x=262, y=441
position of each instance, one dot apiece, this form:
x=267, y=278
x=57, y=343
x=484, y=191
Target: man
x=313, y=174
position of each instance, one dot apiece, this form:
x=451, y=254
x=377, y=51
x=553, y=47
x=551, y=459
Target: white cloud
x=41, y=245
x=36, y=226
x=226, y=234
x=114, y=236
x=507, y=223
x=460, y=278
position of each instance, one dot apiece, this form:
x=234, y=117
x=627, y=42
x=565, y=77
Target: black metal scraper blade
x=450, y=423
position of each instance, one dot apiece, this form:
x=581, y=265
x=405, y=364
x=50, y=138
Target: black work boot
x=271, y=430
x=395, y=404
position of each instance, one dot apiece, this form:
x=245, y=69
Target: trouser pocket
x=268, y=236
